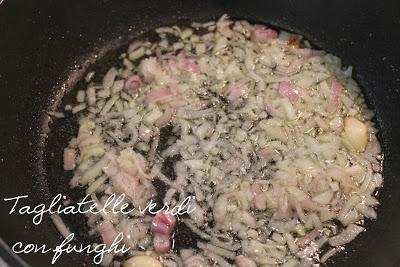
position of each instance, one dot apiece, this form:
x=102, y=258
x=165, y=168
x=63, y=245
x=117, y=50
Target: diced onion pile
x=272, y=137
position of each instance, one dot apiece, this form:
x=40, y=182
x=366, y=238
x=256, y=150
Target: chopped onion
x=60, y=225
x=109, y=78
x=269, y=138
x=346, y=235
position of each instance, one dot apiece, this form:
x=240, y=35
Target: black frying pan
x=46, y=46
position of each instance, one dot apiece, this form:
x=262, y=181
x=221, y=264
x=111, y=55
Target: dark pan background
x=46, y=45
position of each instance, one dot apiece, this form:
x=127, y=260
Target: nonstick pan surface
x=47, y=46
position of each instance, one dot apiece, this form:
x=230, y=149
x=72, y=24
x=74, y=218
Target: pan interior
x=62, y=130
x=45, y=40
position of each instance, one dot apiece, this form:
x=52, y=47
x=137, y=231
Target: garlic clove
x=142, y=261
x=356, y=133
